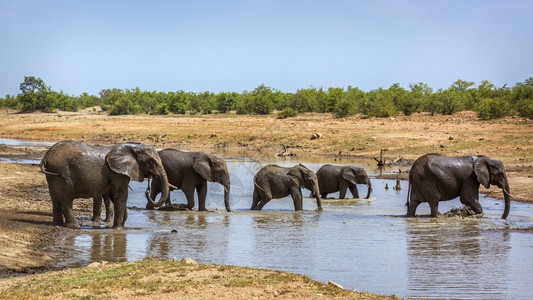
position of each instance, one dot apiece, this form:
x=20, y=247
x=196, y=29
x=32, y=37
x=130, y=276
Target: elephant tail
x=260, y=188
x=408, y=195
x=43, y=164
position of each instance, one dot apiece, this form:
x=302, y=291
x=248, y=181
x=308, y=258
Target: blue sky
x=86, y=46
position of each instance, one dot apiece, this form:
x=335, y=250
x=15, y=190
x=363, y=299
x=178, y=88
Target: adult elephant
x=435, y=177
x=333, y=179
x=191, y=171
x=273, y=181
x=78, y=170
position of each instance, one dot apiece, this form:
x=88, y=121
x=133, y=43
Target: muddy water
x=361, y=244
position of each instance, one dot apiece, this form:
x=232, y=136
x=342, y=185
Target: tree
x=35, y=95
x=178, y=102
x=262, y=100
x=225, y=101
x=521, y=98
x=419, y=98
x=379, y=103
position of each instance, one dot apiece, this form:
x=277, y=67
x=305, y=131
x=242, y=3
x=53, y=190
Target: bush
x=122, y=105
x=178, y=103
x=525, y=107
x=344, y=108
x=492, y=108
x=161, y=109
x=379, y=103
x=445, y=102
x=287, y=112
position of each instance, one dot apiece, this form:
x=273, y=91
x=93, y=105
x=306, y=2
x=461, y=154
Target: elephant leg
x=354, y=191
x=434, y=209
x=428, y=192
x=469, y=196
x=70, y=220
x=255, y=199
x=97, y=209
x=263, y=197
x=108, y=208
x=120, y=197
x=413, y=202
x=201, y=190
x=57, y=211
x=189, y=194
x=296, y=195
x=342, y=191
x=125, y=214
x=323, y=195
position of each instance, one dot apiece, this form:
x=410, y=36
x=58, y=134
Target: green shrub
x=344, y=108
x=492, y=108
x=287, y=112
x=379, y=103
x=524, y=107
x=122, y=105
x=161, y=109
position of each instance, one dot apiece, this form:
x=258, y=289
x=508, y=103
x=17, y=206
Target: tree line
x=486, y=99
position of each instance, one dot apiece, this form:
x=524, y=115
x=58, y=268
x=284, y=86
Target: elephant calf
x=333, y=179
x=435, y=177
x=273, y=181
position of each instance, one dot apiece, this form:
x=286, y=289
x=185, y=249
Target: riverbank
x=171, y=280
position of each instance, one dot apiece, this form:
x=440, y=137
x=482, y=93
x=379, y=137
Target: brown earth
x=25, y=216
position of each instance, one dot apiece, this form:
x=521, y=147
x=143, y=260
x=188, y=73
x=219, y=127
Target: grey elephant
x=273, y=181
x=78, y=170
x=190, y=171
x=333, y=179
x=435, y=177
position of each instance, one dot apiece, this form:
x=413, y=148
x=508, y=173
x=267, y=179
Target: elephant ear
x=296, y=174
x=349, y=174
x=481, y=168
x=202, y=165
x=122, y=159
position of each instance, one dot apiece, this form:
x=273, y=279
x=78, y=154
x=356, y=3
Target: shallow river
x=361, y=244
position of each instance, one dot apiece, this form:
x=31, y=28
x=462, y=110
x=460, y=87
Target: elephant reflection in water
x=109, y=247
x=463, y=254
x=194, y=236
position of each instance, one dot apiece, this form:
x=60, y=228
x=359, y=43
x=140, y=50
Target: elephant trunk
x=369, y=185
x=316, y=193
x=161, y=177
x=507, y=197
x=226, y=196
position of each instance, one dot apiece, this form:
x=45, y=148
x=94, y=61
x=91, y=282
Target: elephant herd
x=75, y=169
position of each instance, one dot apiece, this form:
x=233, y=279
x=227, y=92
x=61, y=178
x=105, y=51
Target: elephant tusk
x=172, y=186
x=507, y=193
x=130, y=187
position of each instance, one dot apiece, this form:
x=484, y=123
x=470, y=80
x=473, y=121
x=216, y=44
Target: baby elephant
x=273, y=181
x=332, y=179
